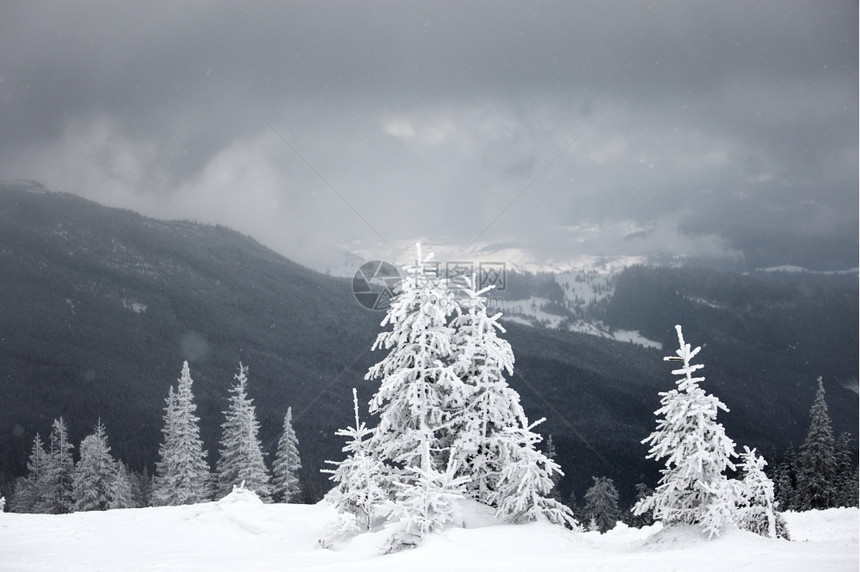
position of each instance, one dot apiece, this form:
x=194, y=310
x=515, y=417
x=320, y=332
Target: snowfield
x=241, y=533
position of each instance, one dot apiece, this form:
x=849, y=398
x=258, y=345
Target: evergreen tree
x=756, y=507
x=182, y=473
x=448, y=423
x=417, y=379
x=417, y=385
x=95, y=472
x=642, y=519
x=693, y=488
x=601, y=505
x=846, y=482
x=816, y=481
x=786, y=481
x=426, y=502
x=29, y=495
x=241, y=458
x=574, y=507
x=491, y=438
x=122, y=491
x=357, y=492
x=141, y=486
x=287, y=463
x=58, y=496
x=525, y=481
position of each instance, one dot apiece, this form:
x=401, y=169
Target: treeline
x=55, y=484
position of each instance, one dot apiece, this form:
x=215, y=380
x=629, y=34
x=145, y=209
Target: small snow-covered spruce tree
x=357, y=493
x=285, y=481
x=601, y=505
x=182, y=473
x=491, y=438
x=241, y=459
x=756, y=507
x=95, y=473
x=57, y=496
x=426, y=503
x=29, y=494
x=122, y=491
x=693, y=488
x=816, y=480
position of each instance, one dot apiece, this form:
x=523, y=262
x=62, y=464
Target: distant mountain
x=99, y=307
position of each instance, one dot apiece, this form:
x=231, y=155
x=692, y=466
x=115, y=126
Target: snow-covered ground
x=240, y=533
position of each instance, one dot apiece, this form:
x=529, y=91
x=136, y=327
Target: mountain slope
x=99, y=307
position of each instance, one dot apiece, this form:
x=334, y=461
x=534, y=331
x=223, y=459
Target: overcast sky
x=712, y=129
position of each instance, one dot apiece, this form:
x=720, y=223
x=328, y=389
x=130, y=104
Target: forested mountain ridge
x=99, y=307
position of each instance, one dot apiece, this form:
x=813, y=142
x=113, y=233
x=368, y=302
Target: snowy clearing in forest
x=241, y=533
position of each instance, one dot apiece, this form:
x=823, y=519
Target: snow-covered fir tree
x=29, y=492
x=416, y=377
x=693, y=488
x=182, y=473
x=418, y=385
x=492, y=440
x=426, y=502
x=122, y=491
x=285, y=481
x=241, y=459
x=95, y=472
x=449, y=426
x=358, y=491
x=521, y=493
x=57, y=495
x=816, y=479
x=601, y=505
x=756, y=507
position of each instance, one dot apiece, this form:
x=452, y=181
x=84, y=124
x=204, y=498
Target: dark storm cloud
x=703, y=121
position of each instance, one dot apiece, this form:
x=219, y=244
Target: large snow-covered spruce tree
x=95, y=473
x=817, y=477
x=241, y=459
x=285, y=480
x=418, y=388
x=492, y=440
x=693, y=488
x=182, y=473
x=449, y=426
x=417, y=382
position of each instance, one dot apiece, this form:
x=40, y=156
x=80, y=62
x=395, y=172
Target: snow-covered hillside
x=241, y=533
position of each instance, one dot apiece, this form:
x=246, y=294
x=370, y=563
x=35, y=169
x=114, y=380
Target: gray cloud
x=714, y=124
